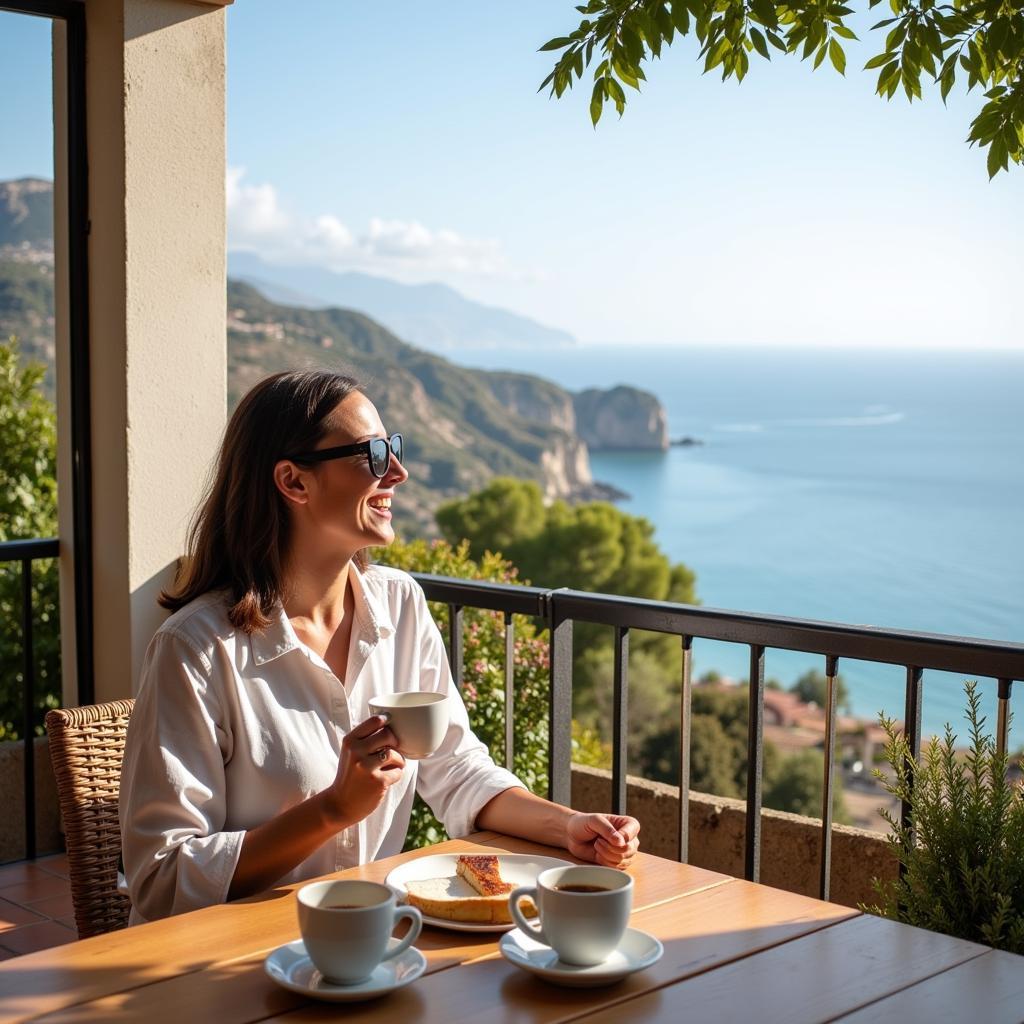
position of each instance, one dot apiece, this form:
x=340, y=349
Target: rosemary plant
x=962, y=853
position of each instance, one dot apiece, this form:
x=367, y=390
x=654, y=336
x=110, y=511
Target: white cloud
x=257, y=220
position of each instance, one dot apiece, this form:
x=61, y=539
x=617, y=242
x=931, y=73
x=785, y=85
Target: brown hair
x=239, y=535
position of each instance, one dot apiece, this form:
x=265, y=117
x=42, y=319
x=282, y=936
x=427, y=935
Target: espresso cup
x=418, y=718
x=346, y=925
x=583, y=911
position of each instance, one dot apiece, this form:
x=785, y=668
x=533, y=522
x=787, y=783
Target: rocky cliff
x=620, y=419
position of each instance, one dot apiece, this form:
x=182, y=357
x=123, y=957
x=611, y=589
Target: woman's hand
x=606, y=839
x=368, y=767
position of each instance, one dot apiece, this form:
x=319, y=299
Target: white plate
x=516, y=868
x=289, y=965
x=636, y=951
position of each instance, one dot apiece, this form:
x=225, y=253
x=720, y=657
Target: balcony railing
x=560, y=609
x=26, y=552
x=915, y=652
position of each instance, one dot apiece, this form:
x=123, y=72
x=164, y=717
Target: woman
x=251, y=759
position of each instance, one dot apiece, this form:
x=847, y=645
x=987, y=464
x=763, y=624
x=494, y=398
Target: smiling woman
x=254, y=756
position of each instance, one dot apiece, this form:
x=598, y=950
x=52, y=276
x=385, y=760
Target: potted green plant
x=962, y=852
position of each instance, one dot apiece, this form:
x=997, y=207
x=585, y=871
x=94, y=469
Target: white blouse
x=231, y=729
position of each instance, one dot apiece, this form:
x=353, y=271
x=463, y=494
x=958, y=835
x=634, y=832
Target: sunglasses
x=378, y=452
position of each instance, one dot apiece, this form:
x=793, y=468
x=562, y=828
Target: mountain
x=26, y=212
x=458, y=433
x=462, y=427
x=430, y=316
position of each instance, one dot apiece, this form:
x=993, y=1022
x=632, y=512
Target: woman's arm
x=607, y=839
x=281, y=844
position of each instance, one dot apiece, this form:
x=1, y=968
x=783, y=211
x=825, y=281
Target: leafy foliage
x=812, y=688
x=483, y=687
x=28, y=509
x=594, y=547
x=961, y=853
x=981, y=40
x=797, y=784
x=718, y=758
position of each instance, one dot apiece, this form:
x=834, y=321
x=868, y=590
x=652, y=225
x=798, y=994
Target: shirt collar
x=372, y=623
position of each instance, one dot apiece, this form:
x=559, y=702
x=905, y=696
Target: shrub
x=962, y=853
x=28, y=509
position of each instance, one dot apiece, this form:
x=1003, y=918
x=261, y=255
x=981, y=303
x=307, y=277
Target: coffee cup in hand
x=418, y=718
x=346, y=926
x=583, y=911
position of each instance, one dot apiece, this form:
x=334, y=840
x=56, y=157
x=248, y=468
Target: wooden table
x=733, y=951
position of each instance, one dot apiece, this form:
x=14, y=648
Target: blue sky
x=409, y=140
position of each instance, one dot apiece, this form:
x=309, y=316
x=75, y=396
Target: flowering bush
x=483, y=687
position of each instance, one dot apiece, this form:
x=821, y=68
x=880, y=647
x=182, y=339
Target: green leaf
x=996, y=158
x=766, y=12
x=616, y=94
x=757, y=38
x=947, y=83
x=820, y=57
x=842, y=30
x=836, y=55
x=680, y=17
x=776, y=42
x=896, y=36
x=556, y=44
x=877, y=62
x=597, y=101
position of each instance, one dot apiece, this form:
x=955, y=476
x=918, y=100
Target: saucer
x=289, y=965
x=635, y=951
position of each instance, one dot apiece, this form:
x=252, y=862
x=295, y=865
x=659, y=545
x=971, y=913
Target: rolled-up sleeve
x=173, y=794
x=460, y=777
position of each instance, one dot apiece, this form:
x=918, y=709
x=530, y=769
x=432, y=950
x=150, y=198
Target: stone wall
x=12, y=802
x=790, y=844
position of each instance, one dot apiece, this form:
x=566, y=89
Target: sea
x=879, y=487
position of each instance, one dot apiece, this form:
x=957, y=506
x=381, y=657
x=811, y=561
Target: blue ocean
x=870, y=487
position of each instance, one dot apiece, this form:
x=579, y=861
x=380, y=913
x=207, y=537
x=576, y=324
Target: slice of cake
x=477, y=894
x=482, y=872
x=452, y=899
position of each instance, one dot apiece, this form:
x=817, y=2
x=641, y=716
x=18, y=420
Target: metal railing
x=560, y=609
x=915, y=652
x=26, y=552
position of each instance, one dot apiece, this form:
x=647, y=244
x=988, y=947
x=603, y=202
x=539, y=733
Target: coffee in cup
x=346, y=925
x=583, y=911
x=418, y=718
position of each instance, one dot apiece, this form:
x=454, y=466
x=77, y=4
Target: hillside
x=458, y=434
x=430, y=316
x=26, y=212
x=462, y=426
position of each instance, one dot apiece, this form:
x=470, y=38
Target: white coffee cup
x=582, y=927
x=346, y=925
x=418, y=718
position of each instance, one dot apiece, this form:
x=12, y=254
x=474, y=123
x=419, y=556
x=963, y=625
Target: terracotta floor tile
x=68, y=922
x=53, y=906
x=12, y=916
x=55, y=865
x=34, y=887
x=6, y=954
x=32, y=937
x=20, y=871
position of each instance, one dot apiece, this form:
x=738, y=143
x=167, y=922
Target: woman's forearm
x=518, y=812
x=278, y=846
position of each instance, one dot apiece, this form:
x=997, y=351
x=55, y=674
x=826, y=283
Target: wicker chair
x=86, y=748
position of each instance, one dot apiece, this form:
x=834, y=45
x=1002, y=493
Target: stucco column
x=155, y=111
